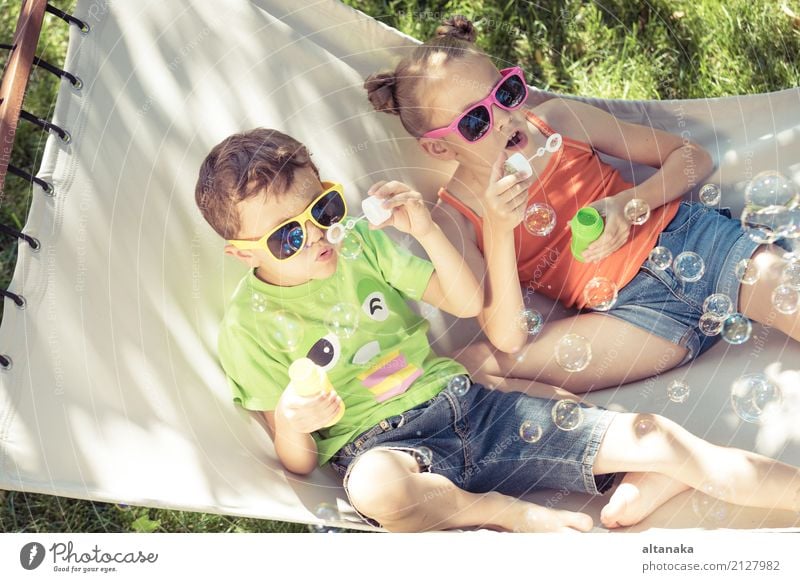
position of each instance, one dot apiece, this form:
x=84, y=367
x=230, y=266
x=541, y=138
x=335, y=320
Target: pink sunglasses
x=509, y=93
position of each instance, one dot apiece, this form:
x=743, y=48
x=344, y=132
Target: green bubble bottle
x=587, y=226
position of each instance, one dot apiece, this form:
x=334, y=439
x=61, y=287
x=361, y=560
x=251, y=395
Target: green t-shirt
x=356, y=324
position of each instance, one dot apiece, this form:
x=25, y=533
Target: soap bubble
x=258, y=302
x=791, y=275
x=573, y=352
x=661, y=258
x=785, y=299
x=458, y=385
x=689, y=267
x=540, y=219
x=328, y=513
x=710, y=194
x=530, y=432
x=771, y=189
x=351, y=246
x=719, y=304
x=567, y=414
x=600, y=294
x=678, y=391
x=424, y=457
x=736, y=329
x=752, y=394
x=336, y=233
x=709, y=502
x=530, y=321
x=766, y=225
x=637, y=211
x=710, y=324
x=283, y=331
x=343, y=319
x=747, y=272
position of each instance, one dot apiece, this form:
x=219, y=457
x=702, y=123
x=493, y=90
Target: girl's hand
x=506, y=198
x=306, y=414
x=615, y=232
x=409, y=212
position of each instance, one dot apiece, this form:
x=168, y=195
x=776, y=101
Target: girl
x=451, y=97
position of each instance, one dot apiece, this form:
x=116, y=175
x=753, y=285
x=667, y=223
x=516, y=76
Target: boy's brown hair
x=244, y=165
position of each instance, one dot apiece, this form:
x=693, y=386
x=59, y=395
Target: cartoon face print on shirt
x=391, y=374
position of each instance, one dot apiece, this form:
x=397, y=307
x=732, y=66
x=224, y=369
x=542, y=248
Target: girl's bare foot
x=638, y=496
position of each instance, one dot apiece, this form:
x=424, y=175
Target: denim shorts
x=660, y=303
x=487, y=440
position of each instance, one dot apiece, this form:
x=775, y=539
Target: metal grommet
x=48, y=189
x=36, y=245
x=22, y=303
x=77, y=83
x=66, y=137
x=85, y=28
x=6, y=363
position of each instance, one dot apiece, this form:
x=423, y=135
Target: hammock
x=111, y=389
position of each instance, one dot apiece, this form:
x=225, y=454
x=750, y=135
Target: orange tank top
x=574, y=177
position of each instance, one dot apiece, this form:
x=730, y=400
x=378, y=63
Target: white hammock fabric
x=116, y=393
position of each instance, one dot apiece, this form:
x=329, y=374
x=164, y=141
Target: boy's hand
x=409, y=213
x=615, y=232
x=306, y=414
x=506, y=197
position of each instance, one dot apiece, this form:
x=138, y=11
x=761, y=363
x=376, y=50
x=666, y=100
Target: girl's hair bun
x=458, y=27
x=381, y=92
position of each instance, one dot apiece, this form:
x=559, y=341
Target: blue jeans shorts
x=660, y=303
x=477, y=440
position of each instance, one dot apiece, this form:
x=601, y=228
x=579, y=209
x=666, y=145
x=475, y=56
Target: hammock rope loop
x=46, y=186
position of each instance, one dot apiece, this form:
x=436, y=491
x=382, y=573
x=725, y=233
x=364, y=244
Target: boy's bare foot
x=638, y=496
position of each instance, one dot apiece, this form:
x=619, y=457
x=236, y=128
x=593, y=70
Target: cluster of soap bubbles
x=716, y=309
x=771, y=208
x=600, y=294
x=637, y=211
x=678, y=391
x=752, y=394
x=573, y=352
x=540, y=219
x=688, y=266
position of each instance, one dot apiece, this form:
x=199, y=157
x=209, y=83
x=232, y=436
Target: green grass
x=610, y=48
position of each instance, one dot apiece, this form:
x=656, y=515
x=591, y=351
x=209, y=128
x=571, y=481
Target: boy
x=419, y=445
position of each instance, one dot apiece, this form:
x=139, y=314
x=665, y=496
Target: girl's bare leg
x=652, y=443
x=755, y=301
x=388, y=486
x=621, y=353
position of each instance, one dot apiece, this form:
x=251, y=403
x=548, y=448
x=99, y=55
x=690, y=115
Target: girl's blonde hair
x=398, y=92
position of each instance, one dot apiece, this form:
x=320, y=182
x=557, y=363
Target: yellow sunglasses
x=290, y=236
